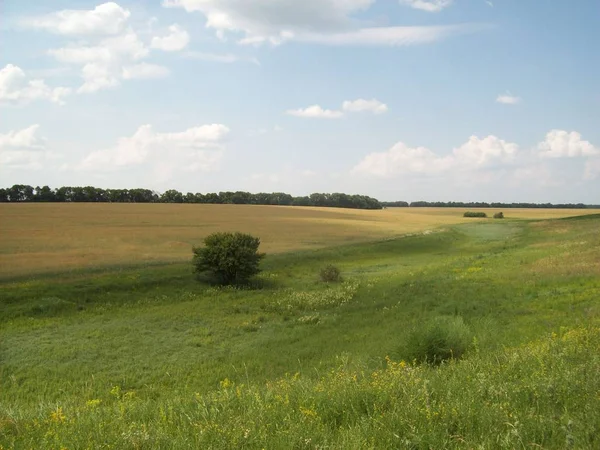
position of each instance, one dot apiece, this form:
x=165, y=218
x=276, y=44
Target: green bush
x=499, y=215
x=330, y=274
x=231, y=258
x=440, y=339
x=474, y=214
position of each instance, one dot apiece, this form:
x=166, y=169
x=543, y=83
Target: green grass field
x=145, y=356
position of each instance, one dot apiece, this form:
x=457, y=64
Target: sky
x=438, y=100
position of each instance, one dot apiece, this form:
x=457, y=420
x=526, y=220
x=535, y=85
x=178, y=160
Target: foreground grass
x=541, y=395
x=150, y=358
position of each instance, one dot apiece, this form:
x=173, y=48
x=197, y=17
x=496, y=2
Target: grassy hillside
x=41, y=238
x=148, y=357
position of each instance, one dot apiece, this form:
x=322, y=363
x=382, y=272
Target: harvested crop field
x=40, y=238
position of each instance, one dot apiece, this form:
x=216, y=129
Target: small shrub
x=330, y=274
x=474, y=214
x=441, y=339
x=232, y=258
x=499, y=215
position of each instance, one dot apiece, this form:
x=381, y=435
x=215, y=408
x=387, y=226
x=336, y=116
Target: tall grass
x=540, y=395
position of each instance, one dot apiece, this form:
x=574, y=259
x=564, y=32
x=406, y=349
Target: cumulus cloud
x=195, y=149
x=15, y=88
x=349, y=106
x=401, y=159
x=485, y=152
x=329, y=22
x=102, y=65
x=564, y=144
x=361, y=105
x=26, y=138
x=508, y=99
x=109, y=49
x=22, y=149
x=315, y=112
x=105, y=64
x=107, y=18
x=177, y=39
x=427, y=5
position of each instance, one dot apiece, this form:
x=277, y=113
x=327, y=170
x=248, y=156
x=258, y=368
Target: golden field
x=39, y=238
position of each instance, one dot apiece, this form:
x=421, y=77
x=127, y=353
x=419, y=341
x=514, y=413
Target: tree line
x=26, y=193
x=422, y=204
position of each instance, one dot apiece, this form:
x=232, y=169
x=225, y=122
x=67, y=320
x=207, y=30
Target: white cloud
x=268, y=20
x=144, y=71
x=383, y=36
x=474, y=154
x=196, y=149
x=112, y=49
x=308, y=173
x=564, y=144
x=315, y=112
x=485, y=152
x=360, y=105
x=508, y=99
x=329, y=22
x=25, y=138
x=176, y=40
x=349, y=106
x=113, y=59
x=401, y=159
x=22, y=149
x=226, y=58
x=427, y=5
x=15, y=88
x=107, y=18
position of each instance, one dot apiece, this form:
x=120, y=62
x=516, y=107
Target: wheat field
x=37, y=238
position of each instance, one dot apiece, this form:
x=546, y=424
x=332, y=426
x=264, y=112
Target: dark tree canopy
x=25, y=193
x=231, y=258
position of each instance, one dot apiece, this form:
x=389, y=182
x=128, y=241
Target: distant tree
x=231, y=258
x=172, y=196
x=20, y=193
x=44, y=194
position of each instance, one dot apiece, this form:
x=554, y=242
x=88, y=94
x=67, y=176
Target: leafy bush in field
x=330, y=274
x=441, y=339
x=474, y=214
x=499, y=215
x=231, y=258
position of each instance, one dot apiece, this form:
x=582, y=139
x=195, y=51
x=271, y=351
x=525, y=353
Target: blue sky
x=466, y=100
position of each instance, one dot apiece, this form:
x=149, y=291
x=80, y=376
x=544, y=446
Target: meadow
x=134, y=352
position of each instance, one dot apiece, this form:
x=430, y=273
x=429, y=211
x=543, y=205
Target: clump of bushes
x=230, y=258
x=475, y=214
x=441, y=339
x=330, y=274
x=499, y=215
